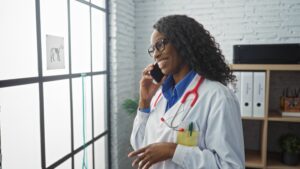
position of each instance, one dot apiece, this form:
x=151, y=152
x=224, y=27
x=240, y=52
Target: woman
x=191, y=119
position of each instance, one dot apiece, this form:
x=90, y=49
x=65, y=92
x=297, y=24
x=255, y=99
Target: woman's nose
x=156, y=55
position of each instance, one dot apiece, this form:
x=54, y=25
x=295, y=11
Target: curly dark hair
x=196, y=46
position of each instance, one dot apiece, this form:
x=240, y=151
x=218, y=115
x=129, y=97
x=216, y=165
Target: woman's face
x=168, y=59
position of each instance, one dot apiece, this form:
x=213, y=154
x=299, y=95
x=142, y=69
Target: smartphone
x=156, y=74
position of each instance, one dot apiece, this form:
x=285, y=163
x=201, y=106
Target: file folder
x=259, y=94
x=237, y=86
x=246, y=93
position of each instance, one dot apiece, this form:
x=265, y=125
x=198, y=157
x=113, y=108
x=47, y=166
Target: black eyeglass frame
x=158, y=46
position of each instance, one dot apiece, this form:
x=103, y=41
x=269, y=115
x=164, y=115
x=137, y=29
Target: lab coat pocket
x=188, y=136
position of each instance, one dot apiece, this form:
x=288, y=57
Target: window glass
x=54, y=24
x=57, y=120
x=100, y=153
x=98, y=40
x=78, y=110
x=89, y=158
x=80, y=37
x=20, y=126
x=18, y=31
x=100, y=3
x=100, y=102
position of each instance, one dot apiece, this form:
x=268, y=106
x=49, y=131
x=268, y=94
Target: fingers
x=146, y=71
x=148, y=165
x=152, y=154
x=134, y=153
x=138, y=160
x=144, y=161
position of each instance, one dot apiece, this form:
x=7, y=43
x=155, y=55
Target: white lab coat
x=217, y=118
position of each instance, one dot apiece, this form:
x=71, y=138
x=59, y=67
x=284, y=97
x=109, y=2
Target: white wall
x=229, y=21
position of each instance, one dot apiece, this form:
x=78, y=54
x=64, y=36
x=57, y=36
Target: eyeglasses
x=158, y=46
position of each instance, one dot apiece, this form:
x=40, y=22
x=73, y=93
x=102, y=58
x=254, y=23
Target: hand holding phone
x=156, y=74
x=148, y=85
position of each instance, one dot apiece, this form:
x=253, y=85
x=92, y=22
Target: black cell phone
x=156, y=73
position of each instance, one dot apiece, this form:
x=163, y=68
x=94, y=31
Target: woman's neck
x=180, y=75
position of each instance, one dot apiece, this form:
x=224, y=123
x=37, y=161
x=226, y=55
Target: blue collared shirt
x=173, y=93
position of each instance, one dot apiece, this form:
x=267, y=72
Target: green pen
x=191, y=128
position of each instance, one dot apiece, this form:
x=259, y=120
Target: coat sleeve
x=138, y=131
x=223, y=139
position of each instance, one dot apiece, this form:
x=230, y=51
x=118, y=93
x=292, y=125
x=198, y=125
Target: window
x=57, y=112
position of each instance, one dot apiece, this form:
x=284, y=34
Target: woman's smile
x=162, y=63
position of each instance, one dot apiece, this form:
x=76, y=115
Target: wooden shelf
x=278, y=117
x=253, y=159
x=274, y=162
x=261, y=158
x=265, y=67
x=253, y=118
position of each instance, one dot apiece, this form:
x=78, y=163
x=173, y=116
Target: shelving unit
x=275, y=163
x=265, y=158
x=253, y=159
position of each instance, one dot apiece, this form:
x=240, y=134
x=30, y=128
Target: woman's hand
x=147, y=87
x=152, y=154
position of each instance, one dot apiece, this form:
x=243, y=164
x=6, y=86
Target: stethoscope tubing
x=183, y=100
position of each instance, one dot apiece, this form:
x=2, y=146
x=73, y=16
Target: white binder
x=259, y=94
x=246, y=93
x=237, y=87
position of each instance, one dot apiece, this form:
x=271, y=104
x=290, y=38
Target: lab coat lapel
x=182, y=108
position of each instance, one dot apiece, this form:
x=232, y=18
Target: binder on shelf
x=237, y=89
x=235, y=86
x=246, y=93
x=259, y=94
x=290, y=114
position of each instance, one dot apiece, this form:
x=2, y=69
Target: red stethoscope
x=186, y=95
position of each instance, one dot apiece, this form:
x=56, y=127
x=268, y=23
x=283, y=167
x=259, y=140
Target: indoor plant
x=290, y=146
x=130, y=106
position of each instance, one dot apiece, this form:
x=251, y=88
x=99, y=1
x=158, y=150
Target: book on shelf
x=290, y=114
